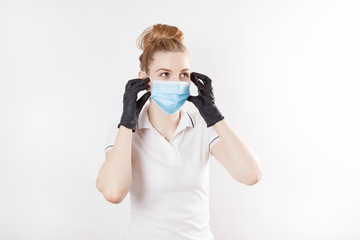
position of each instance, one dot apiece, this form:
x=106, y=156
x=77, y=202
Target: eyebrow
x=170, y=70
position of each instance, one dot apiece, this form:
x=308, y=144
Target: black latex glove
x=131, y=107
x=205, y=101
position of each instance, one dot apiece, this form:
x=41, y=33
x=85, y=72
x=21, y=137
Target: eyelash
x=187, y=75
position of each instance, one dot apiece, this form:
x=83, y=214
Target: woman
x=159, y=151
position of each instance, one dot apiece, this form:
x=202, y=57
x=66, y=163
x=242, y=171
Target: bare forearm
x=240, y=156
x=114, y=177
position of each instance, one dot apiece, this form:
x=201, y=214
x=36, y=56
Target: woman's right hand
x=131, y=107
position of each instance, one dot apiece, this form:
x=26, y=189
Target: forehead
x=170, y=60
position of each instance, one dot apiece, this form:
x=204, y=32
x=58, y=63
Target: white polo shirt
x=169, y=192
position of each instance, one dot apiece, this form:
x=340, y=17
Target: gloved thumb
x=191, y=99
x=143, y=99
x=194, y=99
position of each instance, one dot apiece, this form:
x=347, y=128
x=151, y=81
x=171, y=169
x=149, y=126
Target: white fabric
x=170, y=180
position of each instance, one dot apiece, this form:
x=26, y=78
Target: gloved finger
x=140, y=82
x=195, y=80
x=203, y=77
x=129, y=85
x=131, y=82
x=141, y=87
x=143, y=99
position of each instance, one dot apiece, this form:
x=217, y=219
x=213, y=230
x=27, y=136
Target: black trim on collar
x=191, y=120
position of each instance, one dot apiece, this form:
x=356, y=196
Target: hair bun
x=157, y=33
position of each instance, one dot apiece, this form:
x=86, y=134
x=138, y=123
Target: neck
x=161, y=121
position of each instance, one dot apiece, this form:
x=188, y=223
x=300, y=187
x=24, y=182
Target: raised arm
x=114, y=178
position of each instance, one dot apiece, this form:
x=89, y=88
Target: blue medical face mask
x=170, y=96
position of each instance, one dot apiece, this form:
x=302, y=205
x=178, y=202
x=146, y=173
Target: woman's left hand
x=205, y=101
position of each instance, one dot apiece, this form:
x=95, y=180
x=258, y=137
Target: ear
x=142, y=75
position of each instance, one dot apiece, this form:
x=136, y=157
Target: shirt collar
x=186, y=120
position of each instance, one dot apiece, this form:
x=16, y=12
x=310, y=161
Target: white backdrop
x=285, y=76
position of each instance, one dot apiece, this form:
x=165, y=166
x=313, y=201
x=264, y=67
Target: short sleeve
x=111, y=136
x=213, y=137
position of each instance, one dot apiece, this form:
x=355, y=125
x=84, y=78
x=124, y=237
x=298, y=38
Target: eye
x=186, y=74
x=163, y=73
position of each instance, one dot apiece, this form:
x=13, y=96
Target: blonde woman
x=159, y=151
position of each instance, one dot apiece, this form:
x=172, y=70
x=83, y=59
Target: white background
x=285, y=76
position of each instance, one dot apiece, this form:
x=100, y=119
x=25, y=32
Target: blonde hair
x=159, y=37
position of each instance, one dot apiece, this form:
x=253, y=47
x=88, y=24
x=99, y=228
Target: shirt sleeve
x=111, y=136
x=213, y=137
